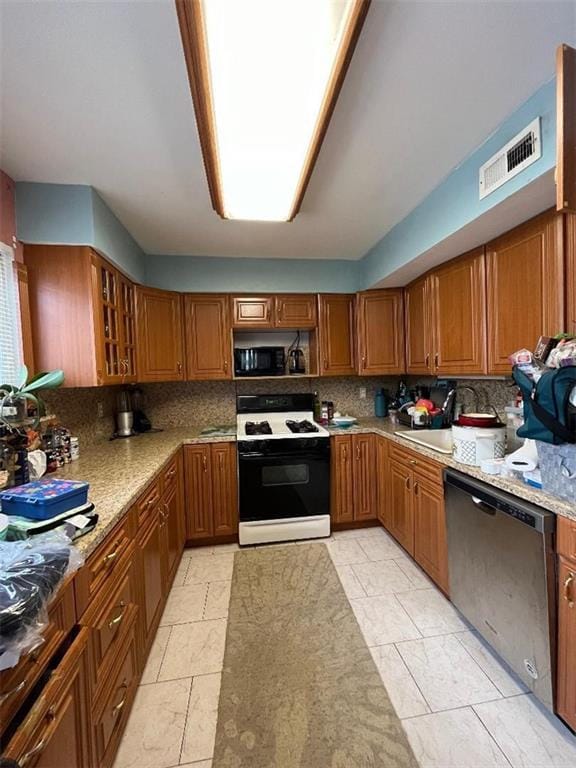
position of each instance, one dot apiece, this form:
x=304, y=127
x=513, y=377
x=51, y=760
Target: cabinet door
x=151, y=544
x=418, y=327
x=108, y=322
x=207, y=334
x=296, y=311
x=401, y=510
x=198, y=485
x=336, y=335
x=127, y=329
x=381, y=332
x=363, y=474
x=571, y=272
x=59, y=722
x=160, y=347
x=382, y=480
x=252, y=311
x=525, y=288
x=224, y=489
x=173, y=531
x=25, y=317
x=567, y=641
x=430, y=547
x=458, y=304
x=341, y=494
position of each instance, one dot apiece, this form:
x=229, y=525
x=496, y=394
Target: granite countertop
x=510, y=485
x=118, y=471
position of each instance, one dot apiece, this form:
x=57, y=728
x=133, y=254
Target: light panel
x=265, y=75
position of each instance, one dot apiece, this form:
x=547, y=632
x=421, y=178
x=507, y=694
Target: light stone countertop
x=118, y=471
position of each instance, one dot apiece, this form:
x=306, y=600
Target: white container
x=472, y=445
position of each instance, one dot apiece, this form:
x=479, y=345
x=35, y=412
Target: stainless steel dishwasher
x=502, y=575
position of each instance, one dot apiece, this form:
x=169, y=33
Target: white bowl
x=344, y=421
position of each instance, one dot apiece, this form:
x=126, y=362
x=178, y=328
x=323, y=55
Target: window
x=10, y=342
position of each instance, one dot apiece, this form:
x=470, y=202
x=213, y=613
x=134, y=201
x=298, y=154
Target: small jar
x=74, y=449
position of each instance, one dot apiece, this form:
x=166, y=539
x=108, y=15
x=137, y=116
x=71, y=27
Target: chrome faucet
x=449, y=406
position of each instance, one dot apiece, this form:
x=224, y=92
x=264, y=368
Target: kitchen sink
x=436, y=439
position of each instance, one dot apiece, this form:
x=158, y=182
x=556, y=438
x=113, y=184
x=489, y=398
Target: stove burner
x=301, y=426
x=258, y=428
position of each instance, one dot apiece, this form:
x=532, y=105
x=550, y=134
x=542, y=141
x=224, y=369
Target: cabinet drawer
x=421, y=465
x=111, y=713
x=110, y=619
x=58, y=723
x=149, y=500
x=102, y=568
x=566, y=537
x=169, y=477
x=17, y=682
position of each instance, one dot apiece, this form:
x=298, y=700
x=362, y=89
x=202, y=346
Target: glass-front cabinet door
x=115, y=324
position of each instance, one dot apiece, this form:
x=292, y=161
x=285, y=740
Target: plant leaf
x=22, y=376
x=47, y=380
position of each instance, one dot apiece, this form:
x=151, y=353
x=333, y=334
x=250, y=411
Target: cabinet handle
x=358, y=456
x=118, y=619
x=205, y=463
x=118, y=707
x=34, y=751
x=413, y=461
x=110, y=557
x=436, y=360
x=151, y=502
x=415, y=489
x=226, y=366
x=344, y=454
x=568, y=590
x=221, y=461
x=171, y=473
x=427, y=362
x=13, y=691
x=363, y=361
x=407, y=483
x=179, y=366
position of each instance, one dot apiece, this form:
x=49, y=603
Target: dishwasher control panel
x=520, y=514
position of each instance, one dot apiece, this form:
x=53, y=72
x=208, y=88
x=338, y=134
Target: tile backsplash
x=206, y=403
x=201, y=403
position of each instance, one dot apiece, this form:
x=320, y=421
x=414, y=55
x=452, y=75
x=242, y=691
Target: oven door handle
x=292, y=457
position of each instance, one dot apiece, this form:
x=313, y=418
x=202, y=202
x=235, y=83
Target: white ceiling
x=96, y=93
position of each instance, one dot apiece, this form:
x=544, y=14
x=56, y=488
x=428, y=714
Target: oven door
x=284, y=485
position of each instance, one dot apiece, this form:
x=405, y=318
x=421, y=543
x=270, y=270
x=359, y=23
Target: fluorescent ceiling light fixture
x=265, y=76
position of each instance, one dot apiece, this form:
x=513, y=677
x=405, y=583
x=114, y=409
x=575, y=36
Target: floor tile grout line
x=503, y=695
x=414, y=680
x=492, y=737
x=185, y=721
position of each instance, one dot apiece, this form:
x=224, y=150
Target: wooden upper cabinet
x=418, y=326
x=160, y=343
x=115, y=323
x=207, y=337
x=252, y=311
x=525, y=286
x=458, y=303
x=337, y=330
x=380, y=332
x=571, y=272
x=295, y=311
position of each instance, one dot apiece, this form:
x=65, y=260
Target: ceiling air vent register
x=520, y=152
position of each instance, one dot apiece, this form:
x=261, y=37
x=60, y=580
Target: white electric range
x=283, y=468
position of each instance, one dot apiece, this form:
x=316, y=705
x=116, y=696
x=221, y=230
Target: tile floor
x=460, y=705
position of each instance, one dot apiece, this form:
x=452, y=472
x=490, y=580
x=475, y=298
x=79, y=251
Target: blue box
x=45, y=498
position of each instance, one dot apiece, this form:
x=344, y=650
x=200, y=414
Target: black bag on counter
x=548, y=414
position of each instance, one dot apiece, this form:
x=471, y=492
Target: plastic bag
x=30, y=572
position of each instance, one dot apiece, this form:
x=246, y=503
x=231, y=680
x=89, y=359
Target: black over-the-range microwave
x=259, y=361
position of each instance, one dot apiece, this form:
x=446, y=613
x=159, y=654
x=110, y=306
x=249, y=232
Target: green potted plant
x=15, y=397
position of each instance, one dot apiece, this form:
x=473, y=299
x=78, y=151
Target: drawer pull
x=34, y=751
x=110, y=558
x=118, y=707
x=171, y=473
x=118, y=619
x=16, y=689
x=568, y=590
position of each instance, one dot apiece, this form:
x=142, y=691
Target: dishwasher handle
x=487, y=508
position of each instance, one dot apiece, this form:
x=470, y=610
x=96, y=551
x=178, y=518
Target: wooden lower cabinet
x=56, y=731
x=211, y=483
x=353, y=470
x=566, y=689
x=430, y=545
x=150, y=545
x=382, y=480
x=415, y=513
x=400, y=508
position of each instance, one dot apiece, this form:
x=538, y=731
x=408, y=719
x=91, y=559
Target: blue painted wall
x=205, y=273
x=455, y=202
x=74, y=214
